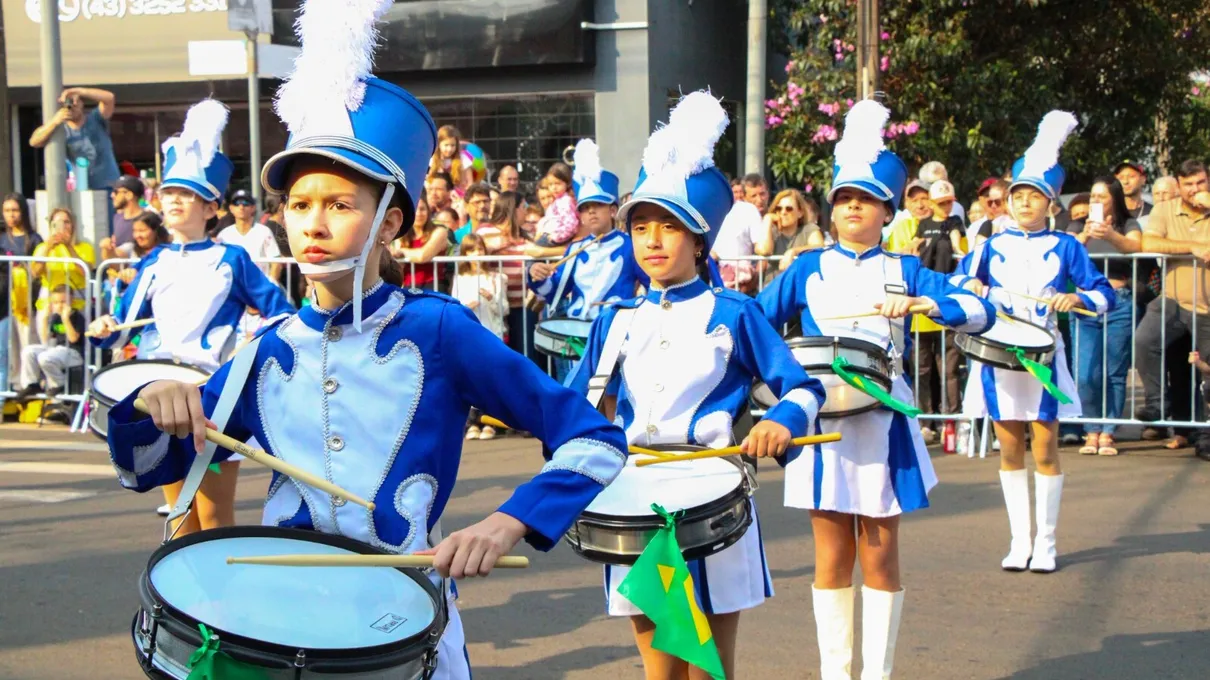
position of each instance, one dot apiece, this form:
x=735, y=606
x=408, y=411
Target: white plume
x=1043, y=154
x=587, y=160
x=685, y=146
x=862, y=140
x=338, y=38
x=203, y=132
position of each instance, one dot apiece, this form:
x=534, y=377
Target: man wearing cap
x=127, y=192
x=1133, y=177
x=900, y=235
x=934, y=171
x=993, y=194
x=247, y=233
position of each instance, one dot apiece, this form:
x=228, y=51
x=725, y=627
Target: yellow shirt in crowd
x=63, y=273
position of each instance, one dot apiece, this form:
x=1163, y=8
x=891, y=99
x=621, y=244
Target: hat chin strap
x=358, y=263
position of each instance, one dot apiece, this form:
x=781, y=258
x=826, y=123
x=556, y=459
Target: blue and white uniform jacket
x=197, y=293
x=685, y=370
x=381, y=413
x=605, y=272
x=1039, y=264
x=881, y=466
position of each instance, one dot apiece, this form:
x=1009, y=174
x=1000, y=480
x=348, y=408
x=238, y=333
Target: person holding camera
x=87, y=134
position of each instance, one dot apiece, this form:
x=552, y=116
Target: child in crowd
x=561, y=221
x=448, y=158
x=483, y=291
x=62, y=334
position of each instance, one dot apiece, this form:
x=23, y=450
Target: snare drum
x=713, y=492
x=815, y=354
x=555, y=336
x=115, y=382
x=992, y=347
x=293, y=622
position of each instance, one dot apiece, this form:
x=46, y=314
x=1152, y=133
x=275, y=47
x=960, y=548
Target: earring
x=698, y=254
x=382, y=242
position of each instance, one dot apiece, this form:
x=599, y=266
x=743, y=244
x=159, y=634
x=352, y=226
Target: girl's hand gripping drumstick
x=120, y=327
x=416, y=561
x=1060, y=302
x=735, y=450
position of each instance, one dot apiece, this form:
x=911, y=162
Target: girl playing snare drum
x=1030, y=259
x=855, y=489
x=688, y=357
x=370, y=385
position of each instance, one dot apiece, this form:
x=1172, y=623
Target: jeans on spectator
x=521, y=324
x=928, y=347
x=1182, y=385
x=52, y=362
x=3, y=359
x=1103, y=361
x=1167, y=320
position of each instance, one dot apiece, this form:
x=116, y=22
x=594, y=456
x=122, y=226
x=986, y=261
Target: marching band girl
x=855, y=489
x=197, y=289
x=687, y=361
x=1031, y=259
x=362, y=387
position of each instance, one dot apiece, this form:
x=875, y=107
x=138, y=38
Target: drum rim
x=261, y=652
x=106, y=401
x=842, y=340
x=849, y=343
x=694, y=514
x=1004, y=346
x=560, y=336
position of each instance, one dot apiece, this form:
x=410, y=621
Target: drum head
x=565, y=328
x=320, y=608
x=114, y=383
x=675, y=486
x=1010, y=332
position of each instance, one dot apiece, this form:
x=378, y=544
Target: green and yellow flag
x=660, y=585
x=208, y=663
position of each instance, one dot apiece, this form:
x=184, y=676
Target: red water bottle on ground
x=949, y=438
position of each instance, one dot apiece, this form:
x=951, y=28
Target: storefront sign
x=72, y=10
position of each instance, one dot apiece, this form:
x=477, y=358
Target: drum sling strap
x=237, y=377
x=611, y=351
x=567, y=274
x=892, y=276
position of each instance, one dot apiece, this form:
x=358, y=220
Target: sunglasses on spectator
x=995, y=201
x=247, y=204
x=784, y=208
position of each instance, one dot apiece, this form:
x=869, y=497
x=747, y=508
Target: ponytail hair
x=389, y=270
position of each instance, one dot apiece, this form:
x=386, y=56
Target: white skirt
x=732, y=580
x=1016, y=395
x=452, y=660
x=880, y=468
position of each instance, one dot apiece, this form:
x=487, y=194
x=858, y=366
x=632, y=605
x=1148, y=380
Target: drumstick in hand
x=1048, y=302
x=277, y=464
x=571, y=256
x=416, y=561
x=735, y=450
x=914, y=309
x=496, y=422
x=125, y=326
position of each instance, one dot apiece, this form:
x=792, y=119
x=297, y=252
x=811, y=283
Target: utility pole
x=6, y=135
x=254, y=117
x=55, y=153
x=754, y=127
x=867, y=48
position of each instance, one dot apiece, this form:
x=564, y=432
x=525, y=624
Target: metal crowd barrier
x=764, y=269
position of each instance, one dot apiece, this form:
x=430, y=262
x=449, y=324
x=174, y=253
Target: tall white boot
x=1015, y=484
x=834, y=631
x=1049, y=490
x=880, y=612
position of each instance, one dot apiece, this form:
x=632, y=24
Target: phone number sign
x=70, y=10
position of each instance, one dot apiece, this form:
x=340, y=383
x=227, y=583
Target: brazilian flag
x=660, y=585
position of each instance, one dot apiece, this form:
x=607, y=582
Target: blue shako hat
x=335, y=109
x=862, y=159
x=192, y=160
x=593, y=184
x=1039, y=167
x=678, y=172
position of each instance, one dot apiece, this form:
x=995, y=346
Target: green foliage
x=976, y=76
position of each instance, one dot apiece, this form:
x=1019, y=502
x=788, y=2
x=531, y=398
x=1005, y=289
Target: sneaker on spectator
x=1148, y=414
x=488, y=432
x=27, y=393
x=163, y=510
x=472, y=432
x=929, y=434
x=1151, y=434
x=1069, y=439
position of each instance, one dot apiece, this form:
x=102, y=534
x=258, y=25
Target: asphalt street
x=1132, y=598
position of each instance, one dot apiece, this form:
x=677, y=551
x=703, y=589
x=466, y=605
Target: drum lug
x=430, y=664
x=300, y=659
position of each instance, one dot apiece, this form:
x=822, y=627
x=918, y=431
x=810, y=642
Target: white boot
x=880, y=612
x=1015, y=484
x=1049, y=491
x=834, y=631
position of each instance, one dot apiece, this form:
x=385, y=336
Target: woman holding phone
x=1103, y=343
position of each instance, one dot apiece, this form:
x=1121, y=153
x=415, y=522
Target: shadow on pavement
x=1195, y=542
x=546, y=613
x=554, y=667
x=1157, y=656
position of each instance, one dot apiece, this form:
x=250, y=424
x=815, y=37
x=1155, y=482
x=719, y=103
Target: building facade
x=524, y=79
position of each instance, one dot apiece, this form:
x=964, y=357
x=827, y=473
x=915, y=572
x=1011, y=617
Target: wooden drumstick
x=571, y=256
x=124, y=326
x=652, y=452
x=277, y=464
x=915, y=309
x=1049, y=302
x=735, y=450
x=496, y=422
x=417, y=561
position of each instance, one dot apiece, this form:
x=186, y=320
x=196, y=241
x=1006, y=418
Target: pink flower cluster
x=1197, y=91
x=896, y=129
x=772, y=121
x=830, y=109
x=808, y=187
x=825, y=133
x=839, y=47
x=884, y=63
